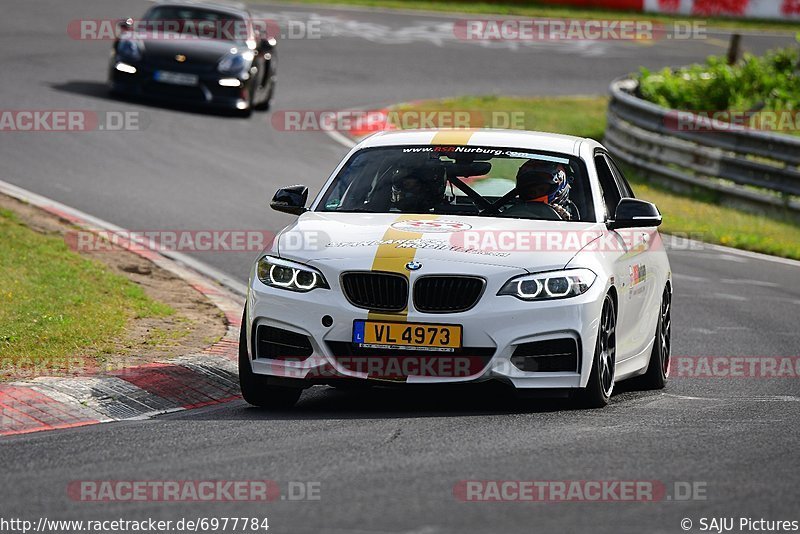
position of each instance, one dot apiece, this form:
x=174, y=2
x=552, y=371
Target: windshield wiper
x=354, y=210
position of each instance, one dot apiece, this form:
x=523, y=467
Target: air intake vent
x=279, y=344
x=376, y=291
x=447, y=294
x=553, y=356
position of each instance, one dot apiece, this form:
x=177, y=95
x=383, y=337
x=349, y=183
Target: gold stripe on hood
x=452, y=137
x=391, y=259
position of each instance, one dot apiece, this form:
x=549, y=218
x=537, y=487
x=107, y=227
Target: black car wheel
x=265, y=104
x=656, y=375
x=601, y=380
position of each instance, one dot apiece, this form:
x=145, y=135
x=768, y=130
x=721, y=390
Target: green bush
x=770, y=83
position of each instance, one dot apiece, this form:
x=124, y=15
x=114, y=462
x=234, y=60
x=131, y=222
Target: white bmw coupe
x=448, y=256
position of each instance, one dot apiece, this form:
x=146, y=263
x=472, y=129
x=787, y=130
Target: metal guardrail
x=750, y=168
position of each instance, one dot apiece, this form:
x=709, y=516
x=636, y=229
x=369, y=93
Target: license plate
x=442, y=337
x=175, y=78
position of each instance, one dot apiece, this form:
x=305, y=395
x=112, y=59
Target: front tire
x=601, y=380
x=255, y=388
x=267, y=102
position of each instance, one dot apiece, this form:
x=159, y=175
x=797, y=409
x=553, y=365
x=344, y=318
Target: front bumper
x=207, y=91
x=492, y=332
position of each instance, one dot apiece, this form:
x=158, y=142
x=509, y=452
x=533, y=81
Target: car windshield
x=191, y=21
x=465, y=180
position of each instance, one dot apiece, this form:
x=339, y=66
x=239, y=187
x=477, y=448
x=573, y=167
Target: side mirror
x=290, y=199
x=635, y=213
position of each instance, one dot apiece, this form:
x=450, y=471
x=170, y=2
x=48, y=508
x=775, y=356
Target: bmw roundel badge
x=413, y=265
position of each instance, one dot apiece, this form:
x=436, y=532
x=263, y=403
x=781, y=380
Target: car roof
x=223, y=8
x=539, y=141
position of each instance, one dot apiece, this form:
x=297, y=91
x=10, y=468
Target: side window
x=627, y=192
x=608, y=184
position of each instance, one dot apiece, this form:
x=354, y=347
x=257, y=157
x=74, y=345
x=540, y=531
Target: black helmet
x=543, y=180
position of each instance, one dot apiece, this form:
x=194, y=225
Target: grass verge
x=534, y=9
x=697, y=215
x=56, y=305
x=572, y=115
x=765, y=83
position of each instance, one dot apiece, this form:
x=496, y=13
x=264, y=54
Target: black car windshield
x=465, y=180
x=190, y=21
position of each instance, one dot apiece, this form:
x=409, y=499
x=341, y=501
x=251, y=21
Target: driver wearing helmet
x=547, y=182
x=416, y=190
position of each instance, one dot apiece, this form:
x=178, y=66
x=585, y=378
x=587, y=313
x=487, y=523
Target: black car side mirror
x=635, y=213
x=290, y=199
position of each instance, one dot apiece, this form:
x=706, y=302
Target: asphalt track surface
x=387, y=461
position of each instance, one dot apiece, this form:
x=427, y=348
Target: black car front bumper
x=206, y=91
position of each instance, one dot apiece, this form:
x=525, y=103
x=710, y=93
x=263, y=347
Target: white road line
x=749, y=282
x=754, y=398
x=730, y=257
x=752, y=255
x=341, y=138
x=689, y=278
x=726, y=296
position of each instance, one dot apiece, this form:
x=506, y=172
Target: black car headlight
x=129, y=49
x=284, y=274
x=549, y=285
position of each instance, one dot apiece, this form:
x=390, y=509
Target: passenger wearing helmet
x=546, y=182
x=416, y=190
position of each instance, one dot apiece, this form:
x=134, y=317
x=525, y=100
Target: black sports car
x=196, y=53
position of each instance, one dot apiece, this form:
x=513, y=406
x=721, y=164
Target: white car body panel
x=352, y=241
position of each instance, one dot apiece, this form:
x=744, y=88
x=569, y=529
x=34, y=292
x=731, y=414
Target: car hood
x=196, y=50
x=374, y=239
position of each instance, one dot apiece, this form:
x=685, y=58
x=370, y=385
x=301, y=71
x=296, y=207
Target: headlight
x=235, y=63
x=129, y=49
x=552, y=285
x=284, y=274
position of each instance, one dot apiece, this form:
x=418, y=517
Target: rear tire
x=656, y=375
x=601, y=380
x=255, y=388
